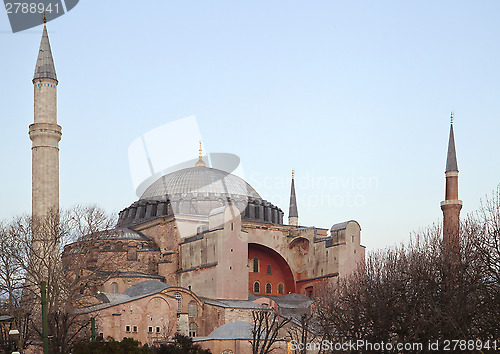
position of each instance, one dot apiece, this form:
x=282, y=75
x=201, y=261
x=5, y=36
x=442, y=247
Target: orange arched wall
x=280, y=271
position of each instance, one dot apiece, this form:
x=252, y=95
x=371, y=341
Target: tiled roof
x=146, y=287
x=233, y=330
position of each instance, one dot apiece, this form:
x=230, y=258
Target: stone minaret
x=451, y=205
x=293, y=214
x=45, y=134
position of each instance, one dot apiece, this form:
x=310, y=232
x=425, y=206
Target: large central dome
x=199, y=180
x=199, y=191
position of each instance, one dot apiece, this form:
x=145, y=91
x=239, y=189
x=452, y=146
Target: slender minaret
x=45, y=134
x=451, y=205
x=293, y=214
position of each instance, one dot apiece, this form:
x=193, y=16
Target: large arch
x=272, y=268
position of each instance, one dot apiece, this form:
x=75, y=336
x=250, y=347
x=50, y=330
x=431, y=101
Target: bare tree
x=11, y=283
x=303, y=330
x=266, y=328
x=10, y=270
x=415, y=293
x=482, y=231
x=36, y=255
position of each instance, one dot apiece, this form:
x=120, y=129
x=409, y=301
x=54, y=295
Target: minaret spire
x=293, y=214
x=451, y=206
x=45, y=68
x=451, y=159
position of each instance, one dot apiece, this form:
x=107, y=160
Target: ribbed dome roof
x=199, y=180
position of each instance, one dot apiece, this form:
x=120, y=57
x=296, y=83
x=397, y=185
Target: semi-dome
x=196, y=181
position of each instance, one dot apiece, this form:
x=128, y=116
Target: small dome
x=233, y=330
x=199, y=180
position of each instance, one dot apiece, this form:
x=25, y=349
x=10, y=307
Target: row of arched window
x=269, y=288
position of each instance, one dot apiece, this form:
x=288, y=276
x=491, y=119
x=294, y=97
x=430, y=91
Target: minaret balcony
x=451, y=202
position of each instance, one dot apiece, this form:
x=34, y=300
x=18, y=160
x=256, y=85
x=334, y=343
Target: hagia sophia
x=201, y=249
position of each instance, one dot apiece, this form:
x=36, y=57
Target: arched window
x=192, y=329
x=268, y=269
x=179, y=301
x=256, y=287
x=269, y=288
x=192, y=309
x=281, y=289
x=255, y=265
x=114, y=288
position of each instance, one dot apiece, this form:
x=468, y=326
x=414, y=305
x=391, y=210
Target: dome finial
x=200, y=162
x=451, y=118
x=293, y=174
x=44, y=19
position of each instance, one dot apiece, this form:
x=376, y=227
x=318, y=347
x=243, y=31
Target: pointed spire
x=451, y=160
x=45, y=68
x=293, y=212
x=200, y=162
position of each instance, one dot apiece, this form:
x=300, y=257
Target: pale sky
x=353, y=95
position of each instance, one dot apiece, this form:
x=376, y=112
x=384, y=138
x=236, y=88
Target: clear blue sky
x=354, y=94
